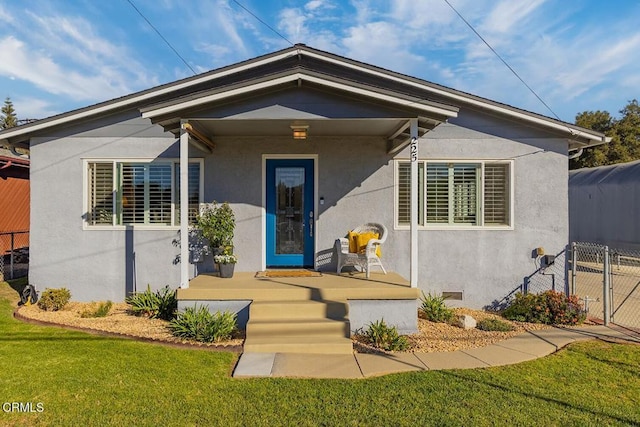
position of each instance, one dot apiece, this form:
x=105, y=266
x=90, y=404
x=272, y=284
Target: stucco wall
x=95, y=264
x=356, y=180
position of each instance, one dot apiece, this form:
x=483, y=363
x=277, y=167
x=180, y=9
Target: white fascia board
x=217, y=96
x=468, y=100
x=142, y=97
x=293, y=78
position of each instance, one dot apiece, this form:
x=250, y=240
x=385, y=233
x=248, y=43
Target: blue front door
x=290, y=213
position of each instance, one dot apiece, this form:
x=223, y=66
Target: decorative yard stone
x=466, y=322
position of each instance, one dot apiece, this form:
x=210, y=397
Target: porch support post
x=184, y=206
x=413, y=205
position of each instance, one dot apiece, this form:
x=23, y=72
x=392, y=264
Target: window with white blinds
x=101, y=194
x=496, y=194
x=136, y=193
x=456, y=193
x=404, y=195
x=194, y=192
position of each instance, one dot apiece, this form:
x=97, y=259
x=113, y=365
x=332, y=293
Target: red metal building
x=14, y=200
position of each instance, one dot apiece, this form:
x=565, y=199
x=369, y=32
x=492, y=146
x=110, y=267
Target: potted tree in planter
x=217, y=224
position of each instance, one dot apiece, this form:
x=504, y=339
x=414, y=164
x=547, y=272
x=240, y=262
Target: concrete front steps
x=304, y=326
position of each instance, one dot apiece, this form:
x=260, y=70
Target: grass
x=90, y=380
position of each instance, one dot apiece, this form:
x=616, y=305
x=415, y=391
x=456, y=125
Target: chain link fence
x=14, y=254
x=549, y=274
x=607, y=280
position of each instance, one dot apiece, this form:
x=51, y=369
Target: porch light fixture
x=300, y=131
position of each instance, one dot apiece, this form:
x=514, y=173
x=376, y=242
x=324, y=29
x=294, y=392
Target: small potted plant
x=217, y=224
x=226, y=262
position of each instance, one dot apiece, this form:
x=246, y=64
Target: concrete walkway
x=527, y=346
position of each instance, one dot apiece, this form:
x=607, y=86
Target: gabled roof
x=302, y=63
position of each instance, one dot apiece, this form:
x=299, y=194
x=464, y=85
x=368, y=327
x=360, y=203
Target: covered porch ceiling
x=394, y=130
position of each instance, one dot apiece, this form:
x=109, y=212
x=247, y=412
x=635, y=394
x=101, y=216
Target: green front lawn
x=83, y=379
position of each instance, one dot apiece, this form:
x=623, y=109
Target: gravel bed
x=118, y=321
x=441, y=337
x=432, y=337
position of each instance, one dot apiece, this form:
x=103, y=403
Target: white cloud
x=66, y=56
x=604, y=61
x=379, y=43
x=292, y=22
x=508, y=13
x=38, y=68
x=5, y=16
x=33, y=108
x=314, y=4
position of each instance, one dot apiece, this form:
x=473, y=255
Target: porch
x=323, y=287
x=314, y=314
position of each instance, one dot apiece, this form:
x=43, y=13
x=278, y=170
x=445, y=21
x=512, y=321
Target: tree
x=8, y=119
x=624, y=133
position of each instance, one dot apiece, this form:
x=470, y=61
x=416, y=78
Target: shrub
x=550, y=307
x=161, y=305
x=54, y=299
x=385, y=337
x=497, y=325
x=100, y=311
x=199, y=324
x=435, y=310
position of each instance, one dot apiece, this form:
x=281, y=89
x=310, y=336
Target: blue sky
x=578, y=55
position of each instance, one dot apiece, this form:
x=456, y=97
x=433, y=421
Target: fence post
x=11, y=256
x=605, y=287
x=574, y=259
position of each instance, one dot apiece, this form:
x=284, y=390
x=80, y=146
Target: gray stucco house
x=113, y=184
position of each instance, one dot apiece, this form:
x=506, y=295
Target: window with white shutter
x=146, y=193
x=194, y=192
x=496, y=194
x=100, y=210
x=404, y=194
x=437, y=193
x=136, y=193
x=462, y=194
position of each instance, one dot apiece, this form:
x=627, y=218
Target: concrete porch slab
x=254, y=365
x=450, y=360
x=328, y=287
x=315, y=366
x=373, y=365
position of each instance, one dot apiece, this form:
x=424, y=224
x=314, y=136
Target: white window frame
x=114, y=226
x=442, y=226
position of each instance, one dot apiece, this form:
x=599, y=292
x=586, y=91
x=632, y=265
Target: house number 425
x=414, y=150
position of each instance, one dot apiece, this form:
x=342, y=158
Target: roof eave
x=22, y=133
x=299, y=77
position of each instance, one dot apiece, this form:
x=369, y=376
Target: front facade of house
x=108, y=181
